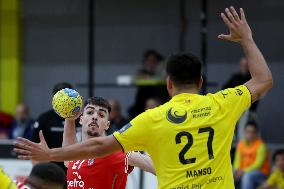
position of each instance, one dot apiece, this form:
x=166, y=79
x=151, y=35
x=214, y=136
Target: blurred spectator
x=117, y=121
x=251, y=160
x=5, y=125
x=152, y=103
x=276, y=179
x=240, y=78
x=151, y=62
x=44, y=176
x=23, y=124
x=52, y=125
x=150, y=71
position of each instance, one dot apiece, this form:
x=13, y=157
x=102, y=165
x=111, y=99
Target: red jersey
x=108, y=172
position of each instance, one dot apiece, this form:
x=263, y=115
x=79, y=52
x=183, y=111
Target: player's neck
x=183, y=90
x=86, y=136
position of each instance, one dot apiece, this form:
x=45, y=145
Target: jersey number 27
x=189, y=137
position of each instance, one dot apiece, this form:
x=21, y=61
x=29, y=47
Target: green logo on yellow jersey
x=176, y=116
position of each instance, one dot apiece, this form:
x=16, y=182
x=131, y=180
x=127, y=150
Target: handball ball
x=67, y=102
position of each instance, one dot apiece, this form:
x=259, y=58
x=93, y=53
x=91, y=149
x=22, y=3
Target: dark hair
x=98, y=101
x=60, y=86
x=49, y=173
x=184, y=69
x=279, y=152
x=252, y=124
x=151, y=52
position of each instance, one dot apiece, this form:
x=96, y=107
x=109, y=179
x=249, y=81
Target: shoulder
x=158, y=113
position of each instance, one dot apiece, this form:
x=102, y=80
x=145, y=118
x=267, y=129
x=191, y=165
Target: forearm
x=69, y=134
x=142, y=161
x=257, y=65
x=266, y=186
x=91, y=148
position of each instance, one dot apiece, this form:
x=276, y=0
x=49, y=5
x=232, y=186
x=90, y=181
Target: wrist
x=70, y=121
x=52, y=154
x=247, y=41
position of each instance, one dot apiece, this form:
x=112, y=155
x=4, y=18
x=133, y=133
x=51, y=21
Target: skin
x=260, y=83
x=22, y=112
x=95, y=121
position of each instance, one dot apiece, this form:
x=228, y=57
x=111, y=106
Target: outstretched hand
x=29, y=150
x=239, y=29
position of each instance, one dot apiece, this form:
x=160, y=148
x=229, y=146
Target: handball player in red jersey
x=109, y=172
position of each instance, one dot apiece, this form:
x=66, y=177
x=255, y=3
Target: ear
x=200, y=83
x=169, y=85
x=107, y=126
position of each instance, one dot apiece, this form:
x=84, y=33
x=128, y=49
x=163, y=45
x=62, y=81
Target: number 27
x=190, y=143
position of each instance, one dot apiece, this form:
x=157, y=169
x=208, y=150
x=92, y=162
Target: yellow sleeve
x=5, y=181
x=233, y=101
x=271, y=181
x=237, y=160
x=135, y=135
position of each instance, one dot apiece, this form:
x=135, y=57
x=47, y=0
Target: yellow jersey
x=276, y=179
x=5, y=181
x=189, y=138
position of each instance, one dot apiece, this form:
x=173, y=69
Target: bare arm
x=266, y=186
x=240, y=32
x=69, y=135
x=143, y=161
x=95, y=147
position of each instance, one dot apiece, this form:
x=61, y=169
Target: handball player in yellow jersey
x=188, y=138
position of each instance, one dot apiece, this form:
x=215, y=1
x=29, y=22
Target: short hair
x=60, y=86
x=252, y=124
x=98, y=101
x=49, y=173
x=184, y=69
x=151, y=52
x=279, y=152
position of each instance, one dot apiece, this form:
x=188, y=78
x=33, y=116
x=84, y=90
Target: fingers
x=22, y=145
x=21, y=151
x=243, y=17
x=230, y=16
x=235, y=14
x=26, y=141
x=224, y=37
x=24, y=157
x=42, y=140
x=226, y=20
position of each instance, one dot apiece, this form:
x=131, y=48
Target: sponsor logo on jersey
x=177, y=116
x=76, y=182
x=91, y=162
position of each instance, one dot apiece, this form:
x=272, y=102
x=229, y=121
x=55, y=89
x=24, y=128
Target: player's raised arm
x=69, y=134
x=261, y=78
x=95, y=147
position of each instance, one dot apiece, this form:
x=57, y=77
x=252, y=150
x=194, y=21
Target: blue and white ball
x=67, y=102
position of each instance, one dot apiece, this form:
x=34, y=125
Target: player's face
x=250, y=133
x=94, y=120
x=279, y=161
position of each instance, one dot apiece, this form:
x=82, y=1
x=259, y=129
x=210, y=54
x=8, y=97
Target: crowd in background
x=254, y=165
